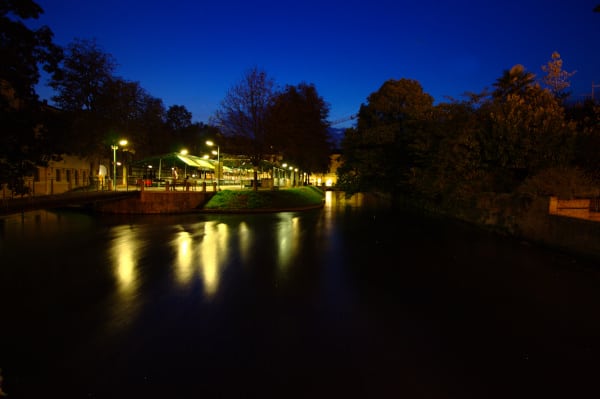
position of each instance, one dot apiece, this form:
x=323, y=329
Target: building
x=328, y=179
x=58, y=177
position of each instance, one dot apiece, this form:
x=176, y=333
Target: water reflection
x=245, y=242
x=212, y=253
x=288, y=229
x=201, y=251
x=183, y=262
x=125, y=251
x=374, y=299
x=36, y=224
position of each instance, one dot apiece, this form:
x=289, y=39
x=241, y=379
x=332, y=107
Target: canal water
x=345, y=301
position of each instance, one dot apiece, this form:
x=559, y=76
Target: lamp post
x=218, y=174
x=115, y=148
x=184, y=152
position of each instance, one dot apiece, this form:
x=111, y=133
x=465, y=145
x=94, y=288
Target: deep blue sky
x=190, y=52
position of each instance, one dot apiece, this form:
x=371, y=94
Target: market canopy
x=175, y=158
x=187, y=159
x=192, y=160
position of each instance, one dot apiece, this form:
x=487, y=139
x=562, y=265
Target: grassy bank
x=291, y=198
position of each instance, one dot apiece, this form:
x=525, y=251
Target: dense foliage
x=24, y=141
x=507, y=141
x=262, y=122
x=512, y=139
x=297, y=127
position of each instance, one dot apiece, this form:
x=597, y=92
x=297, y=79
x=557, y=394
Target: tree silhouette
x=298, y=127
x=23, y=143
x=242, y=115
x=85, y=74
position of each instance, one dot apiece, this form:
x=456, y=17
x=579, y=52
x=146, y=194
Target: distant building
x=58, y=177
x=328, y=179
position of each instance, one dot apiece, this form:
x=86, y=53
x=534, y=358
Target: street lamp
x=184, y=152
x=115, y=148
x=211, y=144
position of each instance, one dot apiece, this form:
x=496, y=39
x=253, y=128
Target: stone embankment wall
x=567, y=225
x=570, y=229
x=157, y=202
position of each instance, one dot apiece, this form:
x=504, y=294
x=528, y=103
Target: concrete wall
x=157, y=202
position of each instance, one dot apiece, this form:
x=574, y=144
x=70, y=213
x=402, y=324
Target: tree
x=178, y=118
x=557, y=79
x=243, y=113
x=454, y=171
x=128, y=110
x=24, y=142
x=83, y=77
x=23, y=50
x=298, y=127
x=389, y=145
x=102, y=107
x=513, y=81
x=586, y=115
x=523, y=130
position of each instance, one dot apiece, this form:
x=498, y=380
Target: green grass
x=266, y=199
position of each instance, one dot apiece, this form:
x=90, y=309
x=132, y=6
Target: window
x=57, y=174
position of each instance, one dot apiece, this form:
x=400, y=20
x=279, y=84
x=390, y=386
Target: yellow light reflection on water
x=200, y=253
x=245, y=242
x=288, y=230
x=125, y=251
x=183, y=264
x=212, y=252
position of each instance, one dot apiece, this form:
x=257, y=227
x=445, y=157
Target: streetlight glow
x=210, y=143
x=115, y=147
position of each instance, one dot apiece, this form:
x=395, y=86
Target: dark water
x=339, y=302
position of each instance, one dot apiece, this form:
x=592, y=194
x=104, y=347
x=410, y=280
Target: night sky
x=190, y=52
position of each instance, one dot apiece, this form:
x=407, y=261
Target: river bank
x=236, y=201
x=524, y=218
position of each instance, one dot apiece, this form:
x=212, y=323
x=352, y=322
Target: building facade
x=58, y=177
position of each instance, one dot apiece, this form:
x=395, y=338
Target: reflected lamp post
x=218, y=174
x=115, y=147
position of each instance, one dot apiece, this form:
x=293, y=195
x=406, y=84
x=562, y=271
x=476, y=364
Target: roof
x=187, y=159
